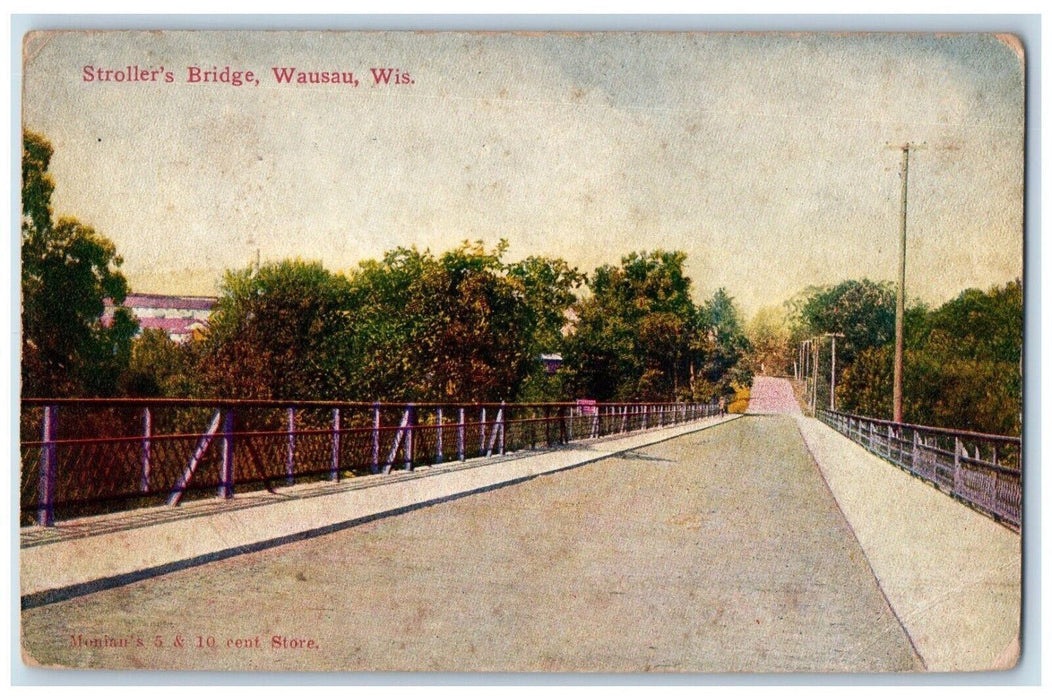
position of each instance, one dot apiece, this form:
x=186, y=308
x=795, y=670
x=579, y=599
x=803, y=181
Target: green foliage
x=961, y=367
x=37, y=184
x=463, y=326
x=981, y=325
x=68, y=269
x=632, y=334
x=863, y=311
x=160, y=367
x=413, y=326
x=770, y=337
x=639, y=336
x=540, y=387
x=547, y=286
x=724, y=345
x=460, y=326
x=274, y=333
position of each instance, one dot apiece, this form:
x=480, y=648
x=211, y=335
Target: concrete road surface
x=772, y=395
x=718, y=551
x=951, y=574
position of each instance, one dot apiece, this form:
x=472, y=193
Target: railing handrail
x=949, y=432
x=351, y=430
x=133, y=457
x=292, y=403
x=984, y=482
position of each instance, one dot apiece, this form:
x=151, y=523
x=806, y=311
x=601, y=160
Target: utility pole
x=832, y=371
x=900, y=296
x=832, y=377
x=814, y=382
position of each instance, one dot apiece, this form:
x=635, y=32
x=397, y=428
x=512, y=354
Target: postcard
x=630, y=352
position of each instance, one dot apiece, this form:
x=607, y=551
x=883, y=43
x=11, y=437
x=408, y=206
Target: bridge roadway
x=723, y=549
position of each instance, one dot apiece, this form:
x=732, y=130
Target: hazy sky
x=763, y=156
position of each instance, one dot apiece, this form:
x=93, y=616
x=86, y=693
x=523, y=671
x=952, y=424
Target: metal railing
x=984, y=471
x=100, y=455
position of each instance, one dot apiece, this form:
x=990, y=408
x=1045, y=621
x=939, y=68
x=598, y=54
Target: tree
x=462, y=326
x=962, y=367
x=639, y=335
x=413, y=326
x=770, y=338
x=981, y=325
x=863, y=311
x=723, y=344
x=276, y=333
x=68, y=270
x=632, y=333
x=161, y=367
x=548, y=287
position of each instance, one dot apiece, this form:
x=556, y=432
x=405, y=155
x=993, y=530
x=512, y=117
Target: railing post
x=409, y=426
x=530, y=415
x=290, y=458
x=494, y=433
x=460, y=434
x=572, y=410
x=226, y=479
x=913, y=457
x=482, y=431
x=147, y=429
x=48, y=469
x=503, y=423
x=375, y=467
x=334, y=468
x=956, y=463
x=438, y=436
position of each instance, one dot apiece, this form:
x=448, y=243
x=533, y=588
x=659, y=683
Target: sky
x=770, y=159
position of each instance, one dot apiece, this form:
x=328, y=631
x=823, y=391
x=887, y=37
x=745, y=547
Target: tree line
x=462, y=325
x=962, y=364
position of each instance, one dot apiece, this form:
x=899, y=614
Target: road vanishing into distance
x=722, y=550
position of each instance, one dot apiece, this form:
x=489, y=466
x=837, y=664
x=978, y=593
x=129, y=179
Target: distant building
x=181, y=317
x=552, y=362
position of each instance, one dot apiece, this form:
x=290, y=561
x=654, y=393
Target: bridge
x=606, y=538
